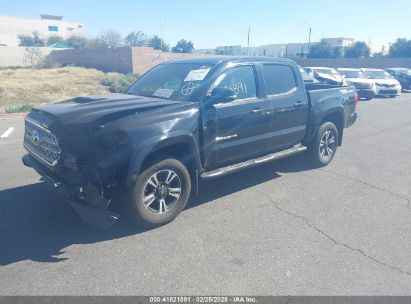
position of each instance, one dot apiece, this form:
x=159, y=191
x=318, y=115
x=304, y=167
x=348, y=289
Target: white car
x=366, y=88
x=385, y=83
x=326, y=75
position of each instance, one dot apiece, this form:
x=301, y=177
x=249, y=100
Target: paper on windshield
x=163, y=93
x=197, y=75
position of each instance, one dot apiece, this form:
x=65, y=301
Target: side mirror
x=222, y=95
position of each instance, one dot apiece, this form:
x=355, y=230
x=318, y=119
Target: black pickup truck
x=180, y=122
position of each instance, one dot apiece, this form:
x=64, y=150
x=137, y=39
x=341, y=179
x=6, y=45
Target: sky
x=213, y=23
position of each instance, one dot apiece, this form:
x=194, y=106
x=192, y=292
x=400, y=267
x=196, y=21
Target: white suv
x=385, y=84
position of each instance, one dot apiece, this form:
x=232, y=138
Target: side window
x=278, y=79
x=240, y=79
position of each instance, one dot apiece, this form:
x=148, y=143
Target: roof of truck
x=322, y=68
x=348, y=69
x=224, y=59
x=371, y=70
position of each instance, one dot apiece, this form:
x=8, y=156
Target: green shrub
x=118, y=83
x=19, y=108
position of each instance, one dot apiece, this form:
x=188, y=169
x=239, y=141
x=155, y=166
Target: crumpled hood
x=102, y=107
x=336, y=79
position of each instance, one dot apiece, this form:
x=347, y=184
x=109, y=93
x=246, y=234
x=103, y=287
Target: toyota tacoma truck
x=181, y=122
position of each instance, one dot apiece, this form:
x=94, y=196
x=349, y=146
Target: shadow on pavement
x=36, y=224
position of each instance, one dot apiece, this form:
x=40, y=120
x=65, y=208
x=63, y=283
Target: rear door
x=286, y=98
x=235, y=130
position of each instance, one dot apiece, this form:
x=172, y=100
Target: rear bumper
x=388, y=91
x=352, y=119
x=96, y=216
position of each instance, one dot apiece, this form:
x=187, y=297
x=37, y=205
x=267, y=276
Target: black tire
x=317, y=146
x=151, y=216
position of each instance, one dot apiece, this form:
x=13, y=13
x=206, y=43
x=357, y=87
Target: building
x=292, y=50
x=46, y=26
x=340, y=42
x=229, y=50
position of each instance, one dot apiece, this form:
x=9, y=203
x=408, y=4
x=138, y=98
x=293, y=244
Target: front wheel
x=323, y=147
x=160, y=193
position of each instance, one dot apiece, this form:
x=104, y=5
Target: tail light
x=356, y=98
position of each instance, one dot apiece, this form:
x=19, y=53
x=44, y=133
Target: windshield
x=378, y=75
x=353, y=74
x=172, y=81
x=328, y=72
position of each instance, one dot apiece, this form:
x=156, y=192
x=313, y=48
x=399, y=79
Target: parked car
x=355, y=77
x=326, y=75
x=182, y=121
x=307, y=78
x=403, y=76
x=385, y=83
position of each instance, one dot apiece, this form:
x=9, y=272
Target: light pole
x=248, y=40
x=161, y=23
x=309, y=35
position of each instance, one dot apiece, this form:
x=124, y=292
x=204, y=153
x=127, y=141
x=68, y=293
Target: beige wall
x=144, y=58
x=107, y=60
x=123, y=60
x=14, y=56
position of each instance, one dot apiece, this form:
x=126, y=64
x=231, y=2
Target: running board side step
x=253, y=162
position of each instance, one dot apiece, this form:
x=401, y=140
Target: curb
x=12, y=115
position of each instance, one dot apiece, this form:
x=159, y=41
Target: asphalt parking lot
x=278, y=229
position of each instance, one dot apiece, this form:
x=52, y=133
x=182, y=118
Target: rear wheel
x=324, y=146
x=160, y=193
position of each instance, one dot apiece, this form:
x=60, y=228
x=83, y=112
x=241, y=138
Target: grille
x=41, y=142
x=388, y=92
x=386, y=85
x=362, y=85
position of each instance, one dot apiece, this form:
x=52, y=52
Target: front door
x=235, y=130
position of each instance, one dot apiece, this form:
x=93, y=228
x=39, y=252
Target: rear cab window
x=279, y=79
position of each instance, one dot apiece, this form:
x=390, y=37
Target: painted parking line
x=7, y=132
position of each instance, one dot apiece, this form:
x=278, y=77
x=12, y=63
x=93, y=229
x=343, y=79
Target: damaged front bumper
x=97, y=216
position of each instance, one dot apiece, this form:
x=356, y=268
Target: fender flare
x=316, y=124
x=153, y=144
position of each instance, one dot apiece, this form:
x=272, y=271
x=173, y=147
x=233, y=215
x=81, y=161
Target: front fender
x=153, y=144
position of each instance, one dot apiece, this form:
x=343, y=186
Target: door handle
x=257, y=110
x=298, y=104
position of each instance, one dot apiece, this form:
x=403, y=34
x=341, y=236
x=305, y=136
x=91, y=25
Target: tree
x=183, y=46
x=77, y=42
x=136, y=39
x=55, y=39
x=358, y=50
x=322, y=50
x=158, y=44
x=30, y=40
x=107, y=39
x=32, y=57
x=401, y=48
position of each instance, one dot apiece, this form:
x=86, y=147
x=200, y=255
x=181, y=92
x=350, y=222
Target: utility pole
x=248, y=40
x=162, y=37
x=309, y=35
